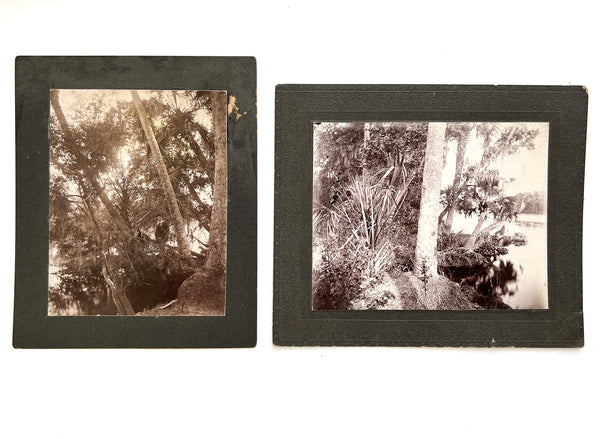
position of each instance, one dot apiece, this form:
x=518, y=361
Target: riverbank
x=402, y=291
x=467, y=280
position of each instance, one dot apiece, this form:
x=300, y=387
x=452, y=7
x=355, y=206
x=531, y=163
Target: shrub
x=336, y=286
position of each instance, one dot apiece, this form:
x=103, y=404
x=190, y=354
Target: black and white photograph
x=137, y=202
x=429, y=215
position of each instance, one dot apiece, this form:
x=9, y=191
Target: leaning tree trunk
x=470, y=244
x=425, y=252
x=82, y=162
x=161, y=168
x=119, y=297
x=121, y=301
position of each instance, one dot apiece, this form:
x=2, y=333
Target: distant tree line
x=531, y=202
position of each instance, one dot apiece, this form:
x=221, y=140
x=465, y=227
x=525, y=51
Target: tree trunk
x=217, y=244
x=470, y=244
x=489, y=228
x=120, y=299
x=203, y=293
x=82, y=162
x=460, y=159
x=182, y=243
x=425, y=252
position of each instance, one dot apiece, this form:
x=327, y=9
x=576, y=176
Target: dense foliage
x=367, y=194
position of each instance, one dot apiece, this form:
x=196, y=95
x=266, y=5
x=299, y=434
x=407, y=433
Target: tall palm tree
x=217, y=245
x=425, y=252
x=167, y=187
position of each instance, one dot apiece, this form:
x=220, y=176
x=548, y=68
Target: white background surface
x=310, y=392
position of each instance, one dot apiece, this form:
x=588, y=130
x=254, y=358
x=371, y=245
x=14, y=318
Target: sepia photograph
x=138, y=202
x=429, y=215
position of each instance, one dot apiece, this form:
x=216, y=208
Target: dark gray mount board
x=297, y=107
x=35, y=76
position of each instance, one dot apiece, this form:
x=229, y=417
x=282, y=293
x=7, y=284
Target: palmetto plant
x=485, y=198
x=358, y=221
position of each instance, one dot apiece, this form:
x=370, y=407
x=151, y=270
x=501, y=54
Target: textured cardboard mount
x=298, y=106
x=35, y=77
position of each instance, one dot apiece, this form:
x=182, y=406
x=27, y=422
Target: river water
x=527, y=264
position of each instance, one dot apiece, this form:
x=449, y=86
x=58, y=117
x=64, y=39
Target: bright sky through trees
x=527, y=167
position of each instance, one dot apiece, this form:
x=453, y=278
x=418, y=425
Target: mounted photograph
x=137, y=202
x=429, y=215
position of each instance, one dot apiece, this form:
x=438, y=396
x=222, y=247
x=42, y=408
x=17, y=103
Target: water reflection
x=500, y=278
x=520, y=276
